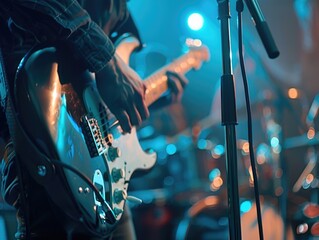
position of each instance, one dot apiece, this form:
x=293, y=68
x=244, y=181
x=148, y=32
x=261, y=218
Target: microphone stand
x=229, y=120
x=228, y=102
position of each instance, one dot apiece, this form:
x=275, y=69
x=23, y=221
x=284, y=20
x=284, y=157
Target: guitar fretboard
x=156, y=84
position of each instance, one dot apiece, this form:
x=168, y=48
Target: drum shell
x=208, y=219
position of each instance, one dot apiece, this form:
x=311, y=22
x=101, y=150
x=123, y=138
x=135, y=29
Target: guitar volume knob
x=117, y=174
x=119, y=195
x=114, y=153
x=117, y=211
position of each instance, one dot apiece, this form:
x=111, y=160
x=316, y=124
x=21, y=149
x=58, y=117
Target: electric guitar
x=86, y=162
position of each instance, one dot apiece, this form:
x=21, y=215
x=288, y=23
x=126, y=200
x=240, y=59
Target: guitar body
x=60, y=123
x=72, y=144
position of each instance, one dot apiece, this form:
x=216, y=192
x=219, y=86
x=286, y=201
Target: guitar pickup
x=93, y=137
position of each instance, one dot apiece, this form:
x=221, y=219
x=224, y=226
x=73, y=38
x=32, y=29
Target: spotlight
x=195, y=21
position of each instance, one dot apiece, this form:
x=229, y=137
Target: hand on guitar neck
x=176, y=83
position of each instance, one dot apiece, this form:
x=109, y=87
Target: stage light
x=245, y=206
x=195, y=21
x=171, y=149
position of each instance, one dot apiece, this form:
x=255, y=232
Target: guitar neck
x=156, y=84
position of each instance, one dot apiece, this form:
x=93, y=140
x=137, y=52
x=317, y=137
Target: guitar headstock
x=197, y=52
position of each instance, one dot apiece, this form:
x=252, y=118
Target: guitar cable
x=106, y=207
x=109, y=214
x=239, y=8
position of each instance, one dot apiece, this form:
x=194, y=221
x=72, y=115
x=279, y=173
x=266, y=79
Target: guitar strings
x=109, y=116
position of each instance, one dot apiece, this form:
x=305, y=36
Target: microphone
x=262, y=28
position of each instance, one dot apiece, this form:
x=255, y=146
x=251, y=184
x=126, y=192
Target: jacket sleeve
x=64, y=20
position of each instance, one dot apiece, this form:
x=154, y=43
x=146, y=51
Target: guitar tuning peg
x=190, y=42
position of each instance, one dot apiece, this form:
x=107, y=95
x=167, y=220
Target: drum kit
x=185, y=193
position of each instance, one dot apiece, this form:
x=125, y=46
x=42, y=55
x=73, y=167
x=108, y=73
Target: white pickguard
x=131, y=158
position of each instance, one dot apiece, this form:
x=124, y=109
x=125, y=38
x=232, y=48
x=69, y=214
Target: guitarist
x=82, y=35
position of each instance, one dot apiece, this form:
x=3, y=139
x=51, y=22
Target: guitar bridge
x=93, y=137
